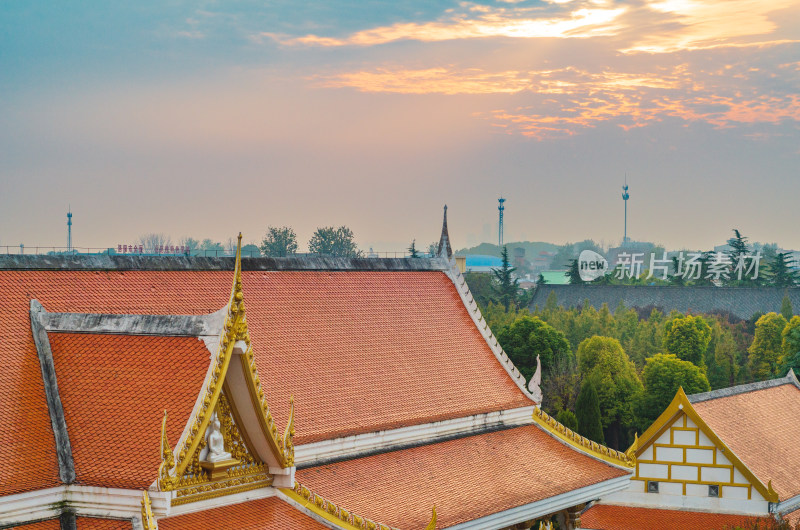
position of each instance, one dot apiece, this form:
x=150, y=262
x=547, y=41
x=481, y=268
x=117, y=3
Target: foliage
x=688, y=338
x=663, y=374
x=481, y=287
x=570, y=421
x=765, y=352
x=786, y=307
x=541, y=281
x=412, y=250
x=250, y=251
x=574, y=273
x=337, y=242
x=722, y=356
x=279, y=241
x=780, y=274
x=790, y=346
x=506, y=286
x=432, y=248
x=614, y=375
x=587, y=412
x=152, y=241
x=528, y=337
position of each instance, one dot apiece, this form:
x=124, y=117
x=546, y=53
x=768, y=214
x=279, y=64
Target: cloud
x=474, y=21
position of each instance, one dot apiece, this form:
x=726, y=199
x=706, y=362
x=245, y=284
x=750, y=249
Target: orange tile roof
x=361, y=351
x=609, y=517
x=94, y=523
x=263, y=514
x=760, y=427
x=114, y=389
x=399, y=488
x=50, y=524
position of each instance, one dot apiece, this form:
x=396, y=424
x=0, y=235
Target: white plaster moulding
x=544, y=507
x=352, y=446
x=483, y=327
x=91, y=501
x=227, y=500
x=789, y=505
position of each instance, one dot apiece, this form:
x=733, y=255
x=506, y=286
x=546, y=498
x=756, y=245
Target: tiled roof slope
x=50, y=524
x=114, y=389
x=360, y=350
x=610, y=517
x=94, y=523
x=263, y=514
x=761, y=428
x=398, y=488
x=739, y=301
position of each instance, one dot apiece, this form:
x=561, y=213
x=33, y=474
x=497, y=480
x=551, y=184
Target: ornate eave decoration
x=183, y=472
x=582, y=443
x=148, y=520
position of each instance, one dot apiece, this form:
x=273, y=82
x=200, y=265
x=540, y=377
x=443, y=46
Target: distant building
x=482, y=263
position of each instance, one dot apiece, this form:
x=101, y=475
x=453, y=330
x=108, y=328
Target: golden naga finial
x=288, y=435
x=165, y=482
x=631, y=452
x=432, y=524
x=148, y=520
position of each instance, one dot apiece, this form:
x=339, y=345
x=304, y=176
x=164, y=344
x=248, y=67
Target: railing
x=21, y=250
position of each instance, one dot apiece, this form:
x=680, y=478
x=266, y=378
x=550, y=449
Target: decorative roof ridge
x=483, y=327
x=66, y=464
x=328, y=510
x=100, y=262
x=105, y=323
x=233, y=333
x=444, y=250
x=789, y=379
x=148, y=519
x=548, y=423
x=681, y=404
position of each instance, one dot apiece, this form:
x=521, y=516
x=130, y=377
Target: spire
x=444, y=250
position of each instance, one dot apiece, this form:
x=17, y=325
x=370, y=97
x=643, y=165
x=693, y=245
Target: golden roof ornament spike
x=148, y=519
x=165, y=482
x=432, y=524
x=288, y=435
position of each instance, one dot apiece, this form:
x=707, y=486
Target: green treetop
x=663, y=374
x=790, y=346
x=587, y=412
x=278, y=242
x=687, y=337
x=780, y=275
x=338, y=242
x=786, y=307
x=766, y=350
x=506, y=286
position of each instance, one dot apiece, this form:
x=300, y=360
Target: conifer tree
x=587, y=411
x=779, y=272
x=786, y=307
x=574, y=273
x=506, y=286
x=412, y=250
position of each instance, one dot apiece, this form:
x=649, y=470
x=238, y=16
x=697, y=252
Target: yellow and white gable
x=682, y=463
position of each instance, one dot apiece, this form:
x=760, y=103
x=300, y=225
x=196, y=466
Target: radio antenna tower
x=69, y=229
x=625, y=196
x=500, y=208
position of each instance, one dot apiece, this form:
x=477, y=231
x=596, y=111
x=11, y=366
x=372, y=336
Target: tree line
x=609, y=374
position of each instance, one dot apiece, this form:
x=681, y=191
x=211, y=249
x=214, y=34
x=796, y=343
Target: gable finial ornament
x=444, y=250
x=165, y=479
x=535, y=384
x=432, y=524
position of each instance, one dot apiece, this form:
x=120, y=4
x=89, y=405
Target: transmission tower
x=500, y=208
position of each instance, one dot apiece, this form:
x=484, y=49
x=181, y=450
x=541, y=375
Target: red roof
x=609, y=517
x=50, y=524
x=760, y=427
x=114, y=389
x=466, y=478
x=361, y=351
x=94, y=523
x=263, y=514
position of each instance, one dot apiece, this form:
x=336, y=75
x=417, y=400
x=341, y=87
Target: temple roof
x=759, y=423
x=518, y=466
x=612, y=517
x=262, y=514
x=114, y=390
x=82, y=523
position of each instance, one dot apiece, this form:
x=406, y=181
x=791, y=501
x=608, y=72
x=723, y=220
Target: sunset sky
x=162, y=116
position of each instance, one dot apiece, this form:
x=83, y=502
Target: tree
x=481, y=287
x=338, y=242
x=413, y=249
x=528, y=337
x=790, y=346
x=432, y=248
x=569, y=420
x=587, y=412
x=190, y=243
x=688, y=338
x=250, y=251
x=279, y=242
x=616, y=382
x=724, y=352
x=663, y=374
x=210, y=248
x=765, y=352
x=152, y=242
x=780, y=274
x=786, y=307
x=541, y=280
x=574, y=273
x=506, y=286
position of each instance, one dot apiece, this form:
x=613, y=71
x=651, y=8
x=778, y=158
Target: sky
x=204, y=119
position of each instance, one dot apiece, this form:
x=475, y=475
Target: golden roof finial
x=148, y=520
x=432, y=524
x=165, y=481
